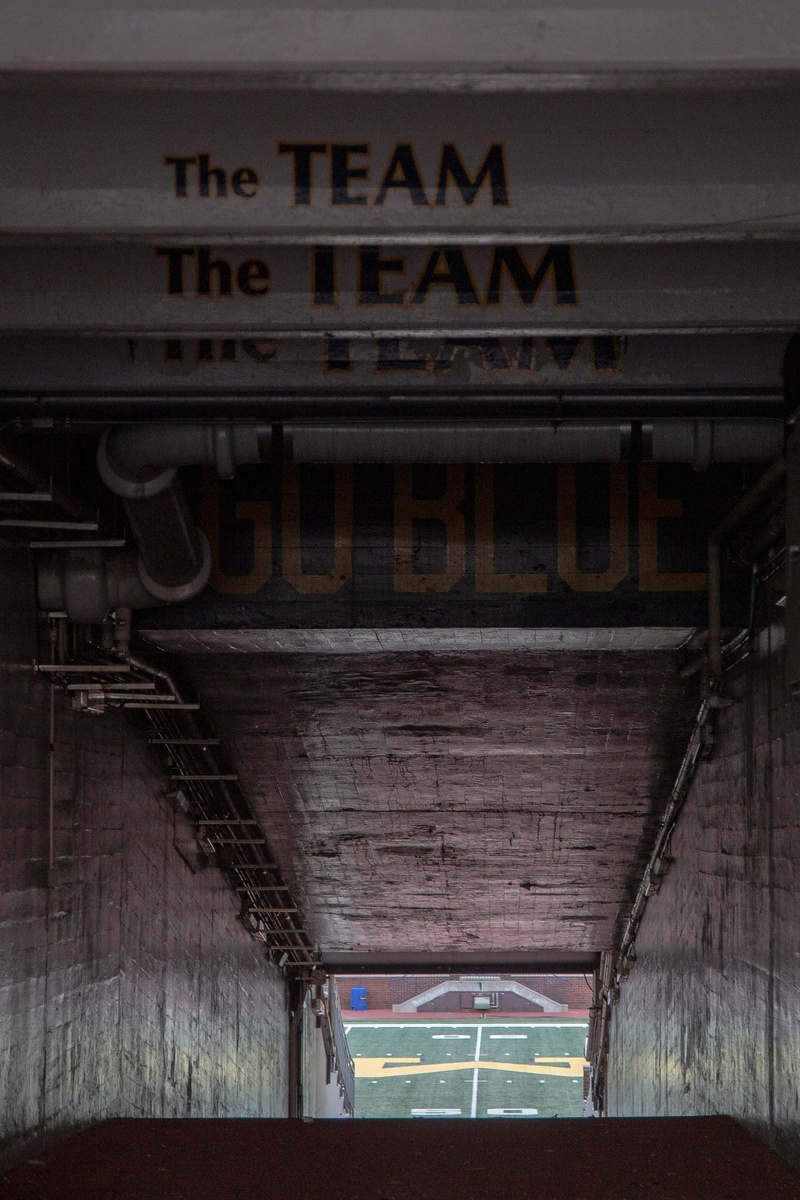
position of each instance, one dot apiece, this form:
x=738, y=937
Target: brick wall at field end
x=383, y=991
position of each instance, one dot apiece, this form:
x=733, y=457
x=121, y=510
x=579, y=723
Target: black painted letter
x=181, y=173
x=302, y=152
x=555, y=259
x=493, y=166
x=456, y=275
x=370, y=269
x=410, y=179
x=222, y=270
x=342, y=172
x=174, y=269
x=323, y=272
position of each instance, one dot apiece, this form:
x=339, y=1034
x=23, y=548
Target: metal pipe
x=703, y=442
x=140, y=461
x=457, y=441
x=51, y=774
x=297, y=991
x=714, y=613
x=139, y=464
x=87, y=584
x=173, y=563
x=174, y=557
x=748, y=502
x=148, y=668
x=716, y=537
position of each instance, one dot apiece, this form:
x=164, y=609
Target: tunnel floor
x=669, y=1158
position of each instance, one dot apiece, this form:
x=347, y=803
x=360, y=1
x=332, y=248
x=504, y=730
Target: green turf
x=457, y=1042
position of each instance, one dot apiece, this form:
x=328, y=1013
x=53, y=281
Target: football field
x=466, y=1068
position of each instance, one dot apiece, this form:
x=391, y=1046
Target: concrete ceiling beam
x=742, y=371
x=253, y=165
x=450, y=291
x=585, y=38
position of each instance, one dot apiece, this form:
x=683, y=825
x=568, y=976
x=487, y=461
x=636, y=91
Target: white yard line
x=464, y=1025
x=474, y=1107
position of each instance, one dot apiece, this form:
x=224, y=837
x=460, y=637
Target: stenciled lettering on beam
x=741, y=365
x=256, y=292
x=348, y=169
x=503, y=545
x=414, y=167
x=386, y=281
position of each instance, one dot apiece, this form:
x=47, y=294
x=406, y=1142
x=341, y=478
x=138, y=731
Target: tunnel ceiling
x=430, y=804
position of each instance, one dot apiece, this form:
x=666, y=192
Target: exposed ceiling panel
x=433, y=804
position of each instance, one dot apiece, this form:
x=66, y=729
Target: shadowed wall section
x=707, y=1022
x=127, y=987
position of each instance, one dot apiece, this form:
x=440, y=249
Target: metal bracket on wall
x=200, y=785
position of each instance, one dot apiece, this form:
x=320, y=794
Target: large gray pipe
x=86, y=584
x=137, y=461
x=174, y=559
x=174, y=555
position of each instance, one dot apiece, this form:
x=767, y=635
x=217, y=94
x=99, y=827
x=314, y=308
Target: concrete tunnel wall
x=127, y=986
x=708, y=1020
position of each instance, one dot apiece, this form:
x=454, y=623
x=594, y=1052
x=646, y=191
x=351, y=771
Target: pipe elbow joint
x=174, y=593
x=131, y=484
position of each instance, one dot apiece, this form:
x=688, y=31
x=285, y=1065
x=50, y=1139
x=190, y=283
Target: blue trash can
x=358, y=999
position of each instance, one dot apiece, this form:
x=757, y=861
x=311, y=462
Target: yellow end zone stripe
x=381, y=1068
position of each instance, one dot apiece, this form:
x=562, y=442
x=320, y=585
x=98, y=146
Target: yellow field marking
x=380, y=1068
x=367, y=1067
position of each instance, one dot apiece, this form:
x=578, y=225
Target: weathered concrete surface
x=447, y=802
x=709, y=1017
x=710, y=1158
x=360, y=40
x=127, y=987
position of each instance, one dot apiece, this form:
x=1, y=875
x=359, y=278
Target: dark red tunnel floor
x=673, y=1158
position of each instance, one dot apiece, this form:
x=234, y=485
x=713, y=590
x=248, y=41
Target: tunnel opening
x=468, y=1046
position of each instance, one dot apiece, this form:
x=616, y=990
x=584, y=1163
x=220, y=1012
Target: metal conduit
x=715, y=539
x=86, y=584
x=138, y=461
x=173, y=561
x=174, y=556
